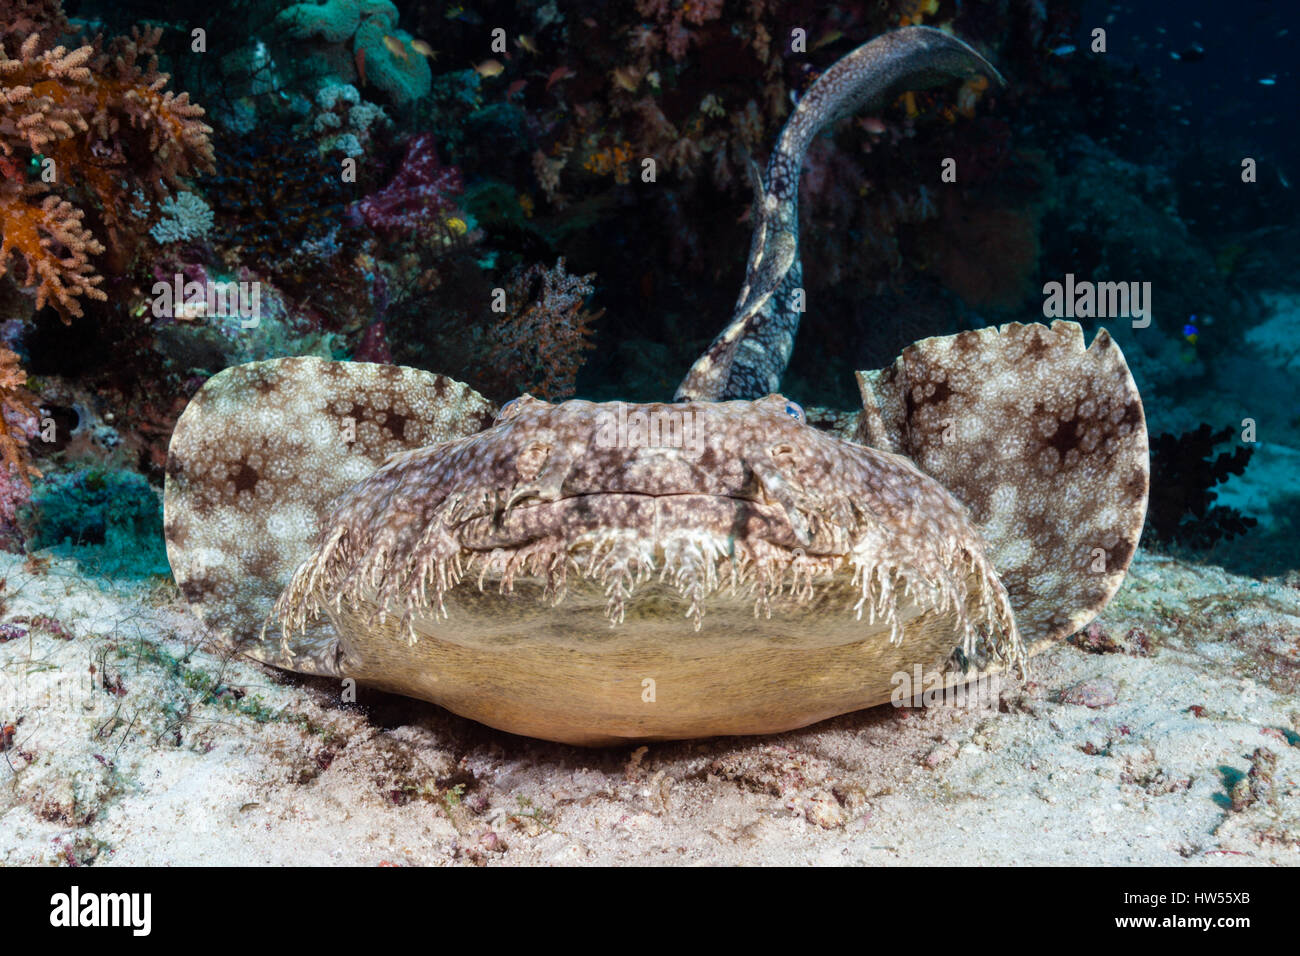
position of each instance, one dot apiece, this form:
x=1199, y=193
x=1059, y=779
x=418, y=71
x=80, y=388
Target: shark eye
x=508, y=410
x=795, y=411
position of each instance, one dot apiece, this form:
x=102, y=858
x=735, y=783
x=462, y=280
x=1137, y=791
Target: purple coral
x=421, y=190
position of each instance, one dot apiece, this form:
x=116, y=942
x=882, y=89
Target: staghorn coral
x=106, y=135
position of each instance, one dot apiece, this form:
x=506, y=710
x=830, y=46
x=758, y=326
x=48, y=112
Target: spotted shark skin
x=514, y=565
x=749, y=357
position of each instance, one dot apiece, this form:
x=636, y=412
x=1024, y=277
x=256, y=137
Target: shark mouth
x=774, y=554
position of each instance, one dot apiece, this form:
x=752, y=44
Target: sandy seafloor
x=1173, y=739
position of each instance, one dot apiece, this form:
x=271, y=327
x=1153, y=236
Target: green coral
x=404, y=75
x=110, y=521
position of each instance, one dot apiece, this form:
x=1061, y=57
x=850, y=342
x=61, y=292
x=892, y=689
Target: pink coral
x=422, y=189
x=373, y=346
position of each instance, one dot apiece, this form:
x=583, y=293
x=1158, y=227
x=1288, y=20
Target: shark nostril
x=531, y=459
x=784, y=454
x=541, y=474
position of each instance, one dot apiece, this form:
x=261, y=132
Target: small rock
x=940, y=753
x=1139, y=645
x=824, y=810
x=1098, y=692
x=1093, y=640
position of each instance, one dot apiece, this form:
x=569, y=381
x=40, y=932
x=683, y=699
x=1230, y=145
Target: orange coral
x=104, y=118
x=614, y=160
x=53, y=244
x=18, y=418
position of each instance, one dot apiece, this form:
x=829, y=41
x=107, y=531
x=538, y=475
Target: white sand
x=162, y=773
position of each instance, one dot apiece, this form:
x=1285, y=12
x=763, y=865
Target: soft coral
x=102, y=116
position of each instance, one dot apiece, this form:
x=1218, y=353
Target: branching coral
x=19, y=418
x=1183, y=476
x=185, y=217
x=101, y=127
x=53, y=244
x=22, y=18
x=537, y=346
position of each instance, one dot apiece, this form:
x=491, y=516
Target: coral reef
x=1184, y=472
x=537, y=346
x=90, y=137
x=109, y=520
x=382, y=53
x=344, y=123
x=19, y=418
x=271, y=195
x=418, y=195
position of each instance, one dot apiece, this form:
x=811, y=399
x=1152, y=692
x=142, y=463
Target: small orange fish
x=627, y=78
x=395, y=47
x=422, y=48
x=558, y=74
x=489, y=68
x=527, y=43
x=361, y=64
x=515, y=88
x=828, y=37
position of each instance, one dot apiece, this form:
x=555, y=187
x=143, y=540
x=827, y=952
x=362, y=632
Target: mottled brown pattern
x=749, y=356
x=764, y=506
x=257, y=460
x=1043, y=440
x=774, y=570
